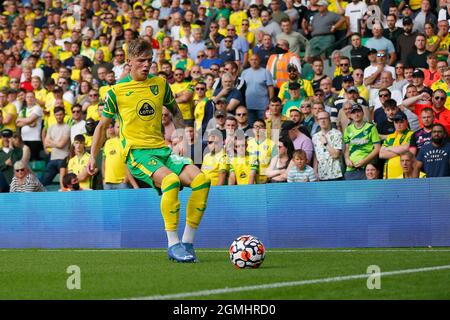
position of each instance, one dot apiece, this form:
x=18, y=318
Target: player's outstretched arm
x=97, y=142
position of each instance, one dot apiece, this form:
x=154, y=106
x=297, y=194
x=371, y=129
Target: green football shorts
x=144, y=162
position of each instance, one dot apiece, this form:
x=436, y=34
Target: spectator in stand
x=278, y=167
x=381, y=44
x=115, y=171
x=395, y=144
x=441, y=114
x=362, y=144
x=393, y=31
x=58, y=140
x=434, y=158
x=323, y=26
x=215, y=162
x=71, y=183
x=444, y=84
x=297, y=42
x=168, y=126
x=78, y=161
x=229, y=92
x=300, y=171
x=279, y=61
x=8, y=112
x=261, y=147
x=243, y=167
x=407, y=162
x=8, y=156
x=319, y=75
x=405, y=41
x=372, y=172
x=359, y=54
x=372, y=74
x=418, y=57
x=384, y=117
x=259, y=88
x=183, y=93
x=298, y=138
x=30, y=122
x=242, y=121
x=354, y=12
x=422, y=136
x=266, y=50
x=431, y=73
x=24, y=180
x=328, y=150
x=269, y=26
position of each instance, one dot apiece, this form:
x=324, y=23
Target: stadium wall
x=395, y=213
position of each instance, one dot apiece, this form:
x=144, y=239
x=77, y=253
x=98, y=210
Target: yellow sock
x=197, y=201
x=170, y=204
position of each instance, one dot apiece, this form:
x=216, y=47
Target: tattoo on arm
x=177, y=118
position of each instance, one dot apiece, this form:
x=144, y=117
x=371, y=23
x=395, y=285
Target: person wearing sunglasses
x=372, y=74
x=382, y=44
x=24, y=180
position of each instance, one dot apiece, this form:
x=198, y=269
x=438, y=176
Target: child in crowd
x=300, y=171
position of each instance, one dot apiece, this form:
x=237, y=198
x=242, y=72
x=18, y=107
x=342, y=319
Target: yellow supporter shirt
x=107, y=53
x=50, y=119
x=77, y=165
x=443, y=46
x=421, y=175
x=4, y=81
x=199, y=113
x=242, y=167
x=333, y=8
x=236, y=19
x=9, y=109
x=262, y=152
x=362, y=90
x=115, y=170
x=186, y=107
x=392, y=167
x=213, y=164
x=441, y=84
x=255, y=24
x=306, y=90
x=138, y=106
x=87, y=140
x=92, y=112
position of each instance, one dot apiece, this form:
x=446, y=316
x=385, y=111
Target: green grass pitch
x=140, y=273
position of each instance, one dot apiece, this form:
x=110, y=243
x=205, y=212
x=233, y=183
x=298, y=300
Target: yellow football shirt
x=199, y=113
x=186, y=107
x=441, y=84
x=213, y=164
x=392, y=167
x=115, y=171
x=138, y=106
x=262, y=152
x=242, y=167
x=10, y=109
x=77, y=165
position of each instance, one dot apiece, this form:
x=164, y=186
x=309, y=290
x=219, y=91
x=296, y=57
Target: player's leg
x=149, y=167
x=200, y=184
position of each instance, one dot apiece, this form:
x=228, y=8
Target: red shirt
x=430, y=77
x=26, y=85
x=443, y=117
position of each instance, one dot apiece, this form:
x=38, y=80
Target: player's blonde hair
x=138, y=47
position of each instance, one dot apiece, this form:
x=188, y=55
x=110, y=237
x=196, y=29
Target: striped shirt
x=31, y=184
x=306, y=175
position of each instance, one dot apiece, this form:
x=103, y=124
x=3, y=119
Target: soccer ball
x=247, y=252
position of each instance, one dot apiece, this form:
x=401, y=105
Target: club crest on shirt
x=145, y=110
x=154, y=89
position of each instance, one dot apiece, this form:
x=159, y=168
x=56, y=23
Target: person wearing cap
x=300, y=140
x=418, y=57
x=362, y=144
x=322, y=28
x=184, y=63
x=418, y=78
x=350, y=93
x=306, y=89
x=210, y=59
x=295, y=99
x=405, y=41
x=381, y=43
x=395, y=144
x=279, y=61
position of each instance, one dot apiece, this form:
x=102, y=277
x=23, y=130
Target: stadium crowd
x=270, y=90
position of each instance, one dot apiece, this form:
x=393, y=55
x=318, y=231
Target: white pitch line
x=225, y=250
x=284, y=284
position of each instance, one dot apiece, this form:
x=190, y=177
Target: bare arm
x=231, y=179
x=130, y=179
x=222, y=177
x=252, y=178
x=371, y=79
x=183, y=96
x=270, y=91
